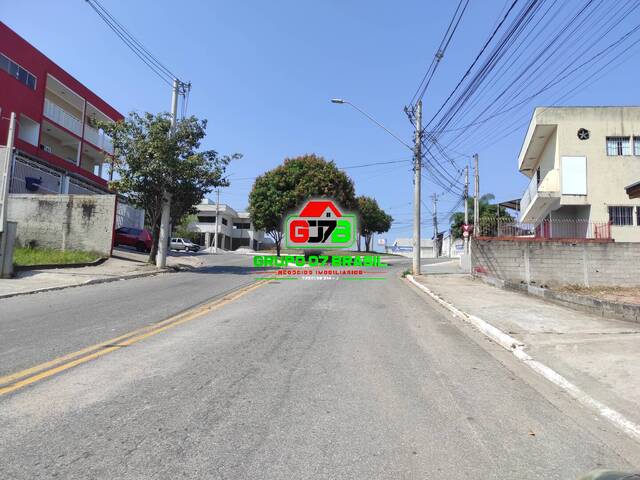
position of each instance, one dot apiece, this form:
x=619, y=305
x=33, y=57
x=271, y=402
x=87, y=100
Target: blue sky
x=263, y=74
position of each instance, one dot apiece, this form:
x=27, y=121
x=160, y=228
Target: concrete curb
x=517, y=349
x=94, y=281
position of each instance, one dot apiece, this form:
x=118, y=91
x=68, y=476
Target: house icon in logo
x=320, y=209
x=320, y=223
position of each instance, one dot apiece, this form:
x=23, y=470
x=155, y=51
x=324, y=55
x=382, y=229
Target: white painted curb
x=517, y=348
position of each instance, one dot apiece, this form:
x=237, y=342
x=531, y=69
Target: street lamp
x=417, y=176
x=341, y=101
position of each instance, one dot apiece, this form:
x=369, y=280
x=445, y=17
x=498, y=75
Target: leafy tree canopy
x=372, y=219
x=150, y=159
x=487, y=210
x=283, y=189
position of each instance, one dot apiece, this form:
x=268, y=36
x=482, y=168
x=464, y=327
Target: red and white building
x=57, y=148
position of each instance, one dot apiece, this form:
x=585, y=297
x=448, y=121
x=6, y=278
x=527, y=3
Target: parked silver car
x=183, y=244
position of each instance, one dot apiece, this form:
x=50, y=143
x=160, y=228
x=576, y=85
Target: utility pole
x=466, y=209
x=476, y=200
x=215, y=237
x=436, y=243
x=417, y=167
x=7, y=229
x=163, y=241
x=5, y=178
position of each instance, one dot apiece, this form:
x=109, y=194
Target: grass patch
x=24, y=256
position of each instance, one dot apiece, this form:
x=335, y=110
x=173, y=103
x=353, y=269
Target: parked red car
x=134, y=237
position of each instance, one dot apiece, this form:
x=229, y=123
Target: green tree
x=486, y=209
x=151, y=159
x=181, y=228
x=372, y=220
x=283, y=189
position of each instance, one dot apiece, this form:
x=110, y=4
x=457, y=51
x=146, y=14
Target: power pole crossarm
x=417, y=167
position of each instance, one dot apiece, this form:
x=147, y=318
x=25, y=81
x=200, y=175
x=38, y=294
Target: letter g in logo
x=299, y=231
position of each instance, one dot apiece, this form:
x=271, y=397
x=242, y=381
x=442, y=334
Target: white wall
x=65, y=222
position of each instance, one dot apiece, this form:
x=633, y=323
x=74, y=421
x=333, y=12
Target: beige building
x=234, y=231
x=579, y=160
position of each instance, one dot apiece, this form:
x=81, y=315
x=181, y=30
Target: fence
x=30, y=177
x=129, y=216
x=577, y=229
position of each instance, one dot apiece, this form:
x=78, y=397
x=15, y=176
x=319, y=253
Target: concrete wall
x=66, y=222
x=556, y=263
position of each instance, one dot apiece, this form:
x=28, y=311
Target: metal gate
x=29, y=177
x=79, y=188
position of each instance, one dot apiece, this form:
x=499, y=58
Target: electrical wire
x=96, y=5
x=147, y=59
x=531, y=81
x=446, y=39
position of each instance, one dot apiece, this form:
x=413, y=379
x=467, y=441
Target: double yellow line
x=15, y=381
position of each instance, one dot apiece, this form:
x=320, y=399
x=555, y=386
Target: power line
x=550, y=84
x=446, y=39
x=135, y=45
x=530, y=80
x=466, y=74
x=363, y=165
x=513, y=31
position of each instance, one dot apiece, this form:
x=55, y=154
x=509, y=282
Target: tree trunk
x=155, y=234
x=367, y=242
x=277, y=238
x=359, y=238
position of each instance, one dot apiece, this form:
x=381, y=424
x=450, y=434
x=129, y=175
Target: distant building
x=404, y=246
x=581, y=161
x=58, y=148
x=235, y=228
x=451, y=247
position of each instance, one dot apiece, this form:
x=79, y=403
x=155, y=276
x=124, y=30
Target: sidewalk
x=124, y=265
x=596, y=354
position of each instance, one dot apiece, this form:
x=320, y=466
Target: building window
x=621, y=215
x=241, y=226
x=17, y=72
x=636, y=145
x=638, y=216
x=224, y=221
x=206, y=219
x=618, y=146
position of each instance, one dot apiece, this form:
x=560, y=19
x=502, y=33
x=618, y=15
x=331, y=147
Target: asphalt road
x=36, y=328
x=293, y=380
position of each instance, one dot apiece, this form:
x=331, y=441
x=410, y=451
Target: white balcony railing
x=98, y=139
x=62, y=117
x=529, y=194
x=549, y=186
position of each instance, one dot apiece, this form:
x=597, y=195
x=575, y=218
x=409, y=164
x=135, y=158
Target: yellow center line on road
x=17, y=380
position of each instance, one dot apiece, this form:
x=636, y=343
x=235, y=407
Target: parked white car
x=183, y=244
